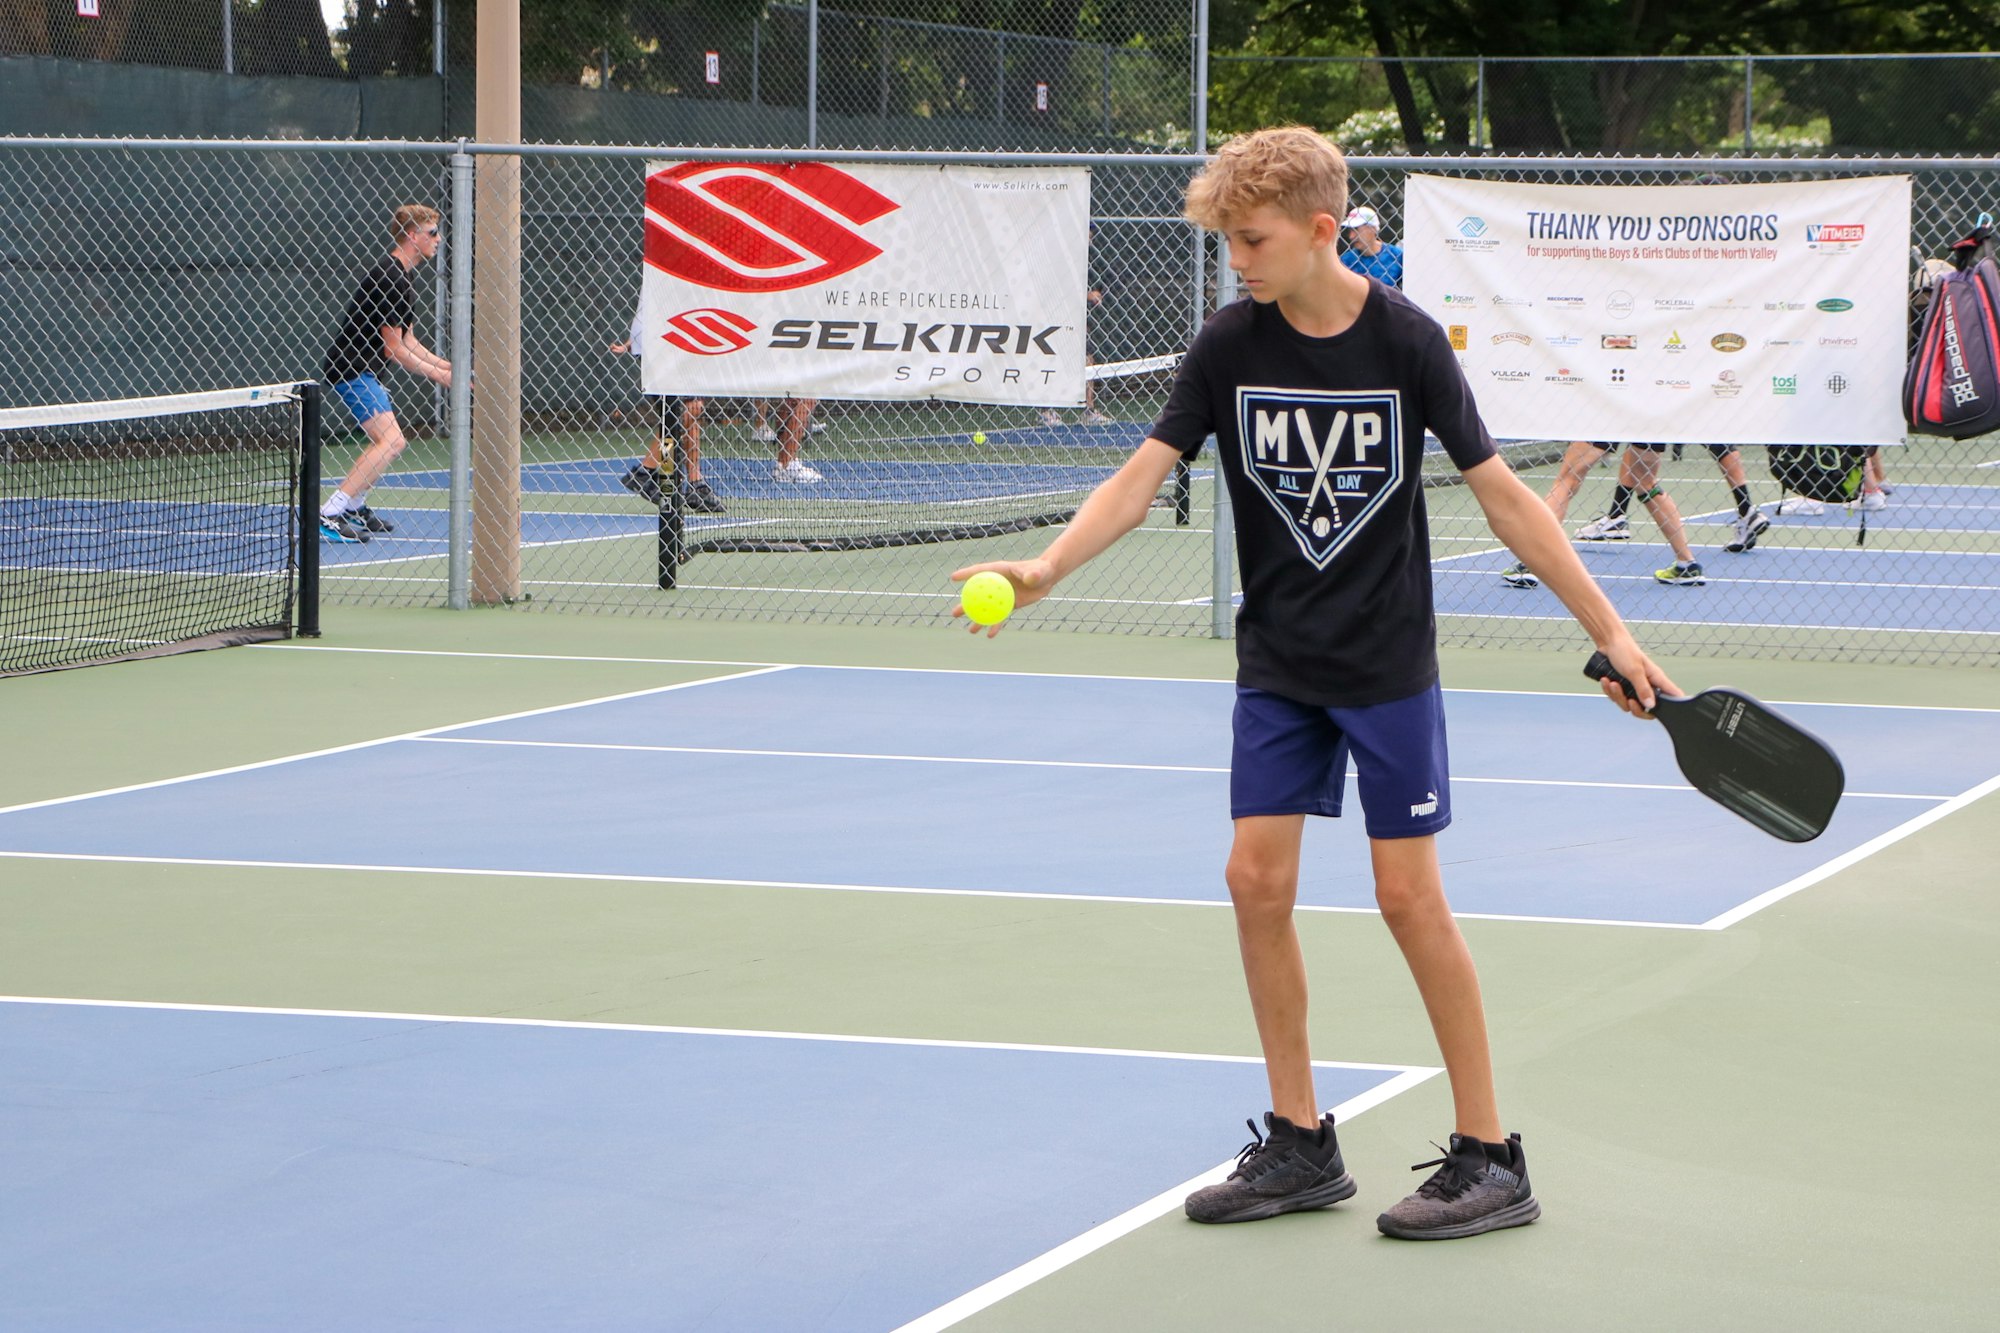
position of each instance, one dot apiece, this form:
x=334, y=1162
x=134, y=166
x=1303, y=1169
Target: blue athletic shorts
x=1291, y=758
x=365, y=397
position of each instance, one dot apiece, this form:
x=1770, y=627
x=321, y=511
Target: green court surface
x=1765, y=1126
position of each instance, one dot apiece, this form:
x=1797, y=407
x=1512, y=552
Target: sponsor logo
x=1784, y=305
x=1672, y=303
x=1833, y=305
x=1840, y=342
x=1428, y=807
x=1511, y=376
x=1674, y=343
x=1726, y=385
x=1564, y=302
x=1512, y=337
x=1728, y=342
x=1563, y=340
x=1618, y=305
x=1728, y=303
x=1516, y=301
x=1673, y=384
x=1836, y=384
x=1464, y=301
x=708, y=332
x=1619, y=342
x=744, y=227
x=852, y=335
x=1473, y=227
x=1784, y=342
x=1617, y=374
x=1456, y=332
x=1325, y=459
x=1823, y=235
x=1784, y=385
x=1472, y=237
x=1563, y=376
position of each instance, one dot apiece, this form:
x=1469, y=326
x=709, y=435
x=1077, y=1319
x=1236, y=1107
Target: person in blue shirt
x=1365, y=253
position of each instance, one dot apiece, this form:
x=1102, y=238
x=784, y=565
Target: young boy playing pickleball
x=1318, y=389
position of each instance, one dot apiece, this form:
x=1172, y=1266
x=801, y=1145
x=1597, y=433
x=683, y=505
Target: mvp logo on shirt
x=1325, y=459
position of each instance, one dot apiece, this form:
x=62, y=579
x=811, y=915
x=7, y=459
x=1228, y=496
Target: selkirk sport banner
x=1688, y=314
x=866, y=281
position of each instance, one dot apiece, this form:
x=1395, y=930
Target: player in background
x=1640, y=471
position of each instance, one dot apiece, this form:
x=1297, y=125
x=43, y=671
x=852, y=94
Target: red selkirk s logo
x=708, y=332
x=743, y=227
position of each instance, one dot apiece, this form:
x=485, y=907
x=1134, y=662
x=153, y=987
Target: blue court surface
x=426, y=533
x=871, y=480
x=172, y=1168
x=145, y=537
x=1564, y=808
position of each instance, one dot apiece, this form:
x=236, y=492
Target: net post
x=673, y=521
x=1222, y=608
x=307, y=619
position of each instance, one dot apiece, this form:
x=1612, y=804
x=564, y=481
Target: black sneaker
x=1289, y=1171
x=699, y=499
x=642, y=483
x=1518, y=575
x=336, y=528
x=364, y=517
x=1470, y=1192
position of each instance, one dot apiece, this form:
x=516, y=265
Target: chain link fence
x=136, y=269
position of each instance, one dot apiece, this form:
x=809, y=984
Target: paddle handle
x=1599, y=668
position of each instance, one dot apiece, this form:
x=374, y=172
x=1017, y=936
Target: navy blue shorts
x=1291, y=759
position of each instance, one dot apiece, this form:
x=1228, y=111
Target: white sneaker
x=1096, y=418
x=1748, y=530
x=815, y=428
x=1873, y=500
x=1605, y=529
x=1051, y=417
x=1798, y=505
x=764, y=435
x=794, y=471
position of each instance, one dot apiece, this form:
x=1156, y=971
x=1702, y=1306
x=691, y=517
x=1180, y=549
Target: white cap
x=1362, y=217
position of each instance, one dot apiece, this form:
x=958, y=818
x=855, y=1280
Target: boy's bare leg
x=1410, y=891
x=385, y=442
x=1263, y=877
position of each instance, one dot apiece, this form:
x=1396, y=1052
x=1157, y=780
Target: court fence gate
x=137, y=267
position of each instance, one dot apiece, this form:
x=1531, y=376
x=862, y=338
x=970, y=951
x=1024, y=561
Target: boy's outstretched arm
x=1521, y=521
x=1118, y=505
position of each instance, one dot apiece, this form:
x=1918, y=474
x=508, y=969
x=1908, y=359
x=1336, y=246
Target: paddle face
x=1747, y=758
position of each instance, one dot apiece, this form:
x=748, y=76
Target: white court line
x=1058, y=763
x=990, y=1293
x=1025, y=675
x=1846, y=859
x=1421, y=1072
x=711, y=881
x=382, y=740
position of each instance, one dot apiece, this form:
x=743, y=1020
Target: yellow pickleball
x=988, y=598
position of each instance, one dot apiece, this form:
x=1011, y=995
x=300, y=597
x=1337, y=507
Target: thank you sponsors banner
x=1743, y=314
x=866, y=281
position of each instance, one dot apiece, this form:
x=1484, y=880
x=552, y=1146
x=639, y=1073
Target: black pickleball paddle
x=1747, y=758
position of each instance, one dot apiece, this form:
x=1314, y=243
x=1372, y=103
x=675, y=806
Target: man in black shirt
x=1319, y=389
x=375, y=332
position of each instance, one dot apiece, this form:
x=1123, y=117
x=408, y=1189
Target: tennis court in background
x=478, y=1166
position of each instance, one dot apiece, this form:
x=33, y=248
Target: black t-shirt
x=1331, y=533
x=386, y=297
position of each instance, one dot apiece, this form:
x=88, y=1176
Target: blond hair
x=410, y=219
x=1295, y=169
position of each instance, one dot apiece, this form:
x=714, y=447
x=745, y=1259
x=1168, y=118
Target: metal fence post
x=1749, y=97
x=228, y=36
x=1106, y=52
x=812, y=73
x=459, y=535
x=1000, y=80
x=1222, y=549
x=1479, y=106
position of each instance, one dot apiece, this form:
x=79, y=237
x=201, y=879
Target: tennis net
x=144, y=526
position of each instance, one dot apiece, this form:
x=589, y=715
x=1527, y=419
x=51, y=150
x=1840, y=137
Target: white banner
x=866, y=281
x=1690, y=314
